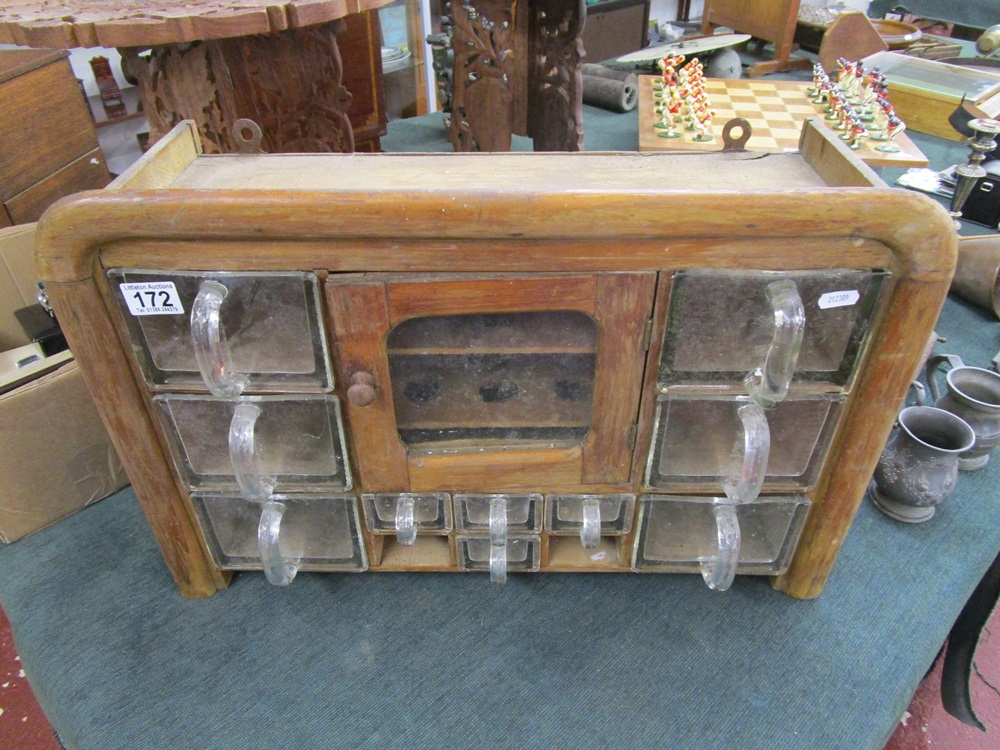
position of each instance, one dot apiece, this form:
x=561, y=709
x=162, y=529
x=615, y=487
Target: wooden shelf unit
x=398, y=237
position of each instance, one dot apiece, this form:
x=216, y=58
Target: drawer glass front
x=523, y=553
x=678, y=533
x=423, y=513
x=523, y=512
x=317, y=532
x=494, y=380
x=721, y=325
x=699, y=442
x=297, y=441
x=566, y=514
x=266, y=333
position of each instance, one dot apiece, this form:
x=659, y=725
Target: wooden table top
x=64, y=24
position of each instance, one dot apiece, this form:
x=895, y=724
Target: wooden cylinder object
x=602, y=71
x=607, y=93
x=977, y=276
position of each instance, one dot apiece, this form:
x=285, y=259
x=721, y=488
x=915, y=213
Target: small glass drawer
x=700, y=441
x=523, y=553
x=297, y=442
x=318, y=532
x=524, y=512
x=564, y=514
x=679, y=533
x=721, y=324
x=430, y=513
x=264, y=334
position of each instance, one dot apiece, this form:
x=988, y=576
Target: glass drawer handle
x=768, y=385
x=277, y=569
x=744, y=486
x=211, y=349
x=406, y=528
x=498, y=540
x=720, y=569
x=590, y=531
x=254, y=486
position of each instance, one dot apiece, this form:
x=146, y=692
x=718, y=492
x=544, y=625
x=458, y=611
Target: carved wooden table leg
x=290, y=83
x=482, y=110
x=555, y=82
x=517, y=69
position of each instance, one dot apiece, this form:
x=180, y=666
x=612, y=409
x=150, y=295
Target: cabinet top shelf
x=509, y=172
x=505, y=203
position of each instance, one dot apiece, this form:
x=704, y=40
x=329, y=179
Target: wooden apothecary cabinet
x=48, y=145
x=498, y=362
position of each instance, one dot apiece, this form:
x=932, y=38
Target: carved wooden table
x=214, y=61
x=517, y=70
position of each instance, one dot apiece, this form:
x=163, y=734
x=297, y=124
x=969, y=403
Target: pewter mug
x=974, y=395
x=918, y=469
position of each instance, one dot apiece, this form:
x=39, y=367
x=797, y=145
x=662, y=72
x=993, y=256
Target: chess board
x=775, y=111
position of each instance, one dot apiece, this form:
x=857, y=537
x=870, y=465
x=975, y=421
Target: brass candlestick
x=966, y=175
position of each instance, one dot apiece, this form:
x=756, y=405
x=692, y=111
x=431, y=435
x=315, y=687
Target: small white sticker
x=838, y=299
x=152, y=298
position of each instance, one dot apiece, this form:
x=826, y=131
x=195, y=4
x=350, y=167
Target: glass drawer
x=317, y=532
x=566, y=514
x=407, y=514
x=721, y=325
x=523, y=553
x=294, y=443
x=225, y=332
x=679, y=533
x=524, y=512
x=700, y=442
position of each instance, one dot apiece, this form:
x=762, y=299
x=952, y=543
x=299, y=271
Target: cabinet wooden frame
x=621, y=231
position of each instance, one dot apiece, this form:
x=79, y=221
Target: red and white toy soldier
x=704, y=124
x=893, y=128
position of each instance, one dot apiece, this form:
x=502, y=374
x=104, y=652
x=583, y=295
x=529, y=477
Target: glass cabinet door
x=497, y=381
x=404, y=58
x=493, y=380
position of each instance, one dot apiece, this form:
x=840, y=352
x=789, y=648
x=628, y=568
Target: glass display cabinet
x=405, y=67
x=499, y=363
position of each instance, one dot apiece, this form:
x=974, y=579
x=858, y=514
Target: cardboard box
x=55, y=455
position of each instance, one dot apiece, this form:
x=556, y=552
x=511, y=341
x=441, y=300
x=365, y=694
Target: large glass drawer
x=264, y=443
x=225, y=332
x=318, y=532
x=678, y=534
x=721, y=325
x=700, y=442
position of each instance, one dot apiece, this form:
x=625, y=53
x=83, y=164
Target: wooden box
x=491, y=361
x=48, y=146
x=926, y=92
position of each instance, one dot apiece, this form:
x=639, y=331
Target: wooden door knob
x=362, y=389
